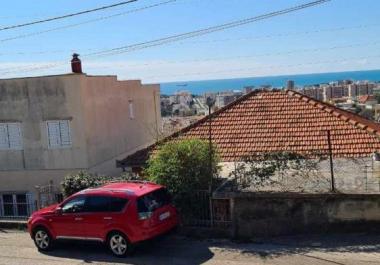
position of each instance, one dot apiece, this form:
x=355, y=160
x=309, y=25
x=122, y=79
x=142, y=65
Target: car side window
x=96, y=204
x=117, y=204
x=75, y=205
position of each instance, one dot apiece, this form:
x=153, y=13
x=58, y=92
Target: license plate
x=164, y=216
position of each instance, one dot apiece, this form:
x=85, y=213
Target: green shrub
x=183, y=167
x=83, y=180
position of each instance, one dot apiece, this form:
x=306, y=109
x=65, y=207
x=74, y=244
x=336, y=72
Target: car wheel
x=42, y=239
x=119, y=244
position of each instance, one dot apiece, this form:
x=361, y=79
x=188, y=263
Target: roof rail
x=132, y=181
x=115, y=190
x=141, y=181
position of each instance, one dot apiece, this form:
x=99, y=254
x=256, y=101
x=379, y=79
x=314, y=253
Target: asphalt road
x=17, y=248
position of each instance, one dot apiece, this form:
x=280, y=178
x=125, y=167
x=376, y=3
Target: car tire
x=42, y=239
x=119, y=244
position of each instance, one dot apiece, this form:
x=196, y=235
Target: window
x=59, y=134
x=131, y=110
x=97, y=204
x=19, y=205
x=153, y=201
x=10, y=136
x=117, y=204
x=75, y=205
x=105, y=204
x=8, y=205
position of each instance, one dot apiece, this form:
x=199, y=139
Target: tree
x=367, y=113
x=183, y=167
x=377, y=97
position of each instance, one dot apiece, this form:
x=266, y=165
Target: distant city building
x=248, y=89
x=290, y=84
x=343, y=89
x=314, y=92
x=361, y=88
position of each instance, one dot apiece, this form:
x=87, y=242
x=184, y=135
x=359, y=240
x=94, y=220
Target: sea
x=203, y=86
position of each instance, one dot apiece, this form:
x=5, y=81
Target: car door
x=102, y=213
x=96, y=215
x=69, y=223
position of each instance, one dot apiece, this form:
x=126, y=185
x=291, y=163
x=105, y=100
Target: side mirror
x=58, y=210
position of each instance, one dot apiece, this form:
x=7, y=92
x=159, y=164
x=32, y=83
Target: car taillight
x=145, y=215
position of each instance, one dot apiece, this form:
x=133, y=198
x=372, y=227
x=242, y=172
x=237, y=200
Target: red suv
x=118, y=214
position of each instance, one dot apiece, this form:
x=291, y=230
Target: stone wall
x=359, y=175
x=273, y=214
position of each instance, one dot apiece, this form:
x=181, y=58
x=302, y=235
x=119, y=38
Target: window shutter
x=4, y=140
x=54, y=133
x=65, y=133
x=15, y=138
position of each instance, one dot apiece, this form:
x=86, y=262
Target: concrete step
x=13, y=224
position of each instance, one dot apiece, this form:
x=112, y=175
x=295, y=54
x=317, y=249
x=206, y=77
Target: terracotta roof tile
x=267, y=121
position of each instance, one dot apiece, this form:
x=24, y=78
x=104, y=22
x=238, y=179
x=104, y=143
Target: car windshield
x=154, y=200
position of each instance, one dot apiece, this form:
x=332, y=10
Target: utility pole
x=210, y=102
x=331, y=161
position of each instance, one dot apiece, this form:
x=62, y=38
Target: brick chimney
x=76, y=64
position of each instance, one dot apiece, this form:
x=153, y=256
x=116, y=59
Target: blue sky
x=341, y=35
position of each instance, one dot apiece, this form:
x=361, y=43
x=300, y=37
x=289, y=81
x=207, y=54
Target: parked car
x=118, y=215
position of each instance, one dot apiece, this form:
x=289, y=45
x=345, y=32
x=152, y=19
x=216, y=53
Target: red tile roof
x=279, y=120
x=364, y=98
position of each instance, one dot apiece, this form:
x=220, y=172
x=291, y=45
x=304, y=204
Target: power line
x=197, y=33
x=205, y=31
x=246, y=69
x=249, y=56
x=22, y=36
x=279, y=35
x=185, y=42
x=66, y=16
x=266, y=67
x=259, y=55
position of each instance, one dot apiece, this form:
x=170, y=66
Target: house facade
x=269, y=121
x=51, y=126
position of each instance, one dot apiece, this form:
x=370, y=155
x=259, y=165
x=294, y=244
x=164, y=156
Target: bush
x=83, y=180
x=183, y=167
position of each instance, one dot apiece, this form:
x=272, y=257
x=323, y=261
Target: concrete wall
x=283, y=214
x=33, y=101
x=110, y=132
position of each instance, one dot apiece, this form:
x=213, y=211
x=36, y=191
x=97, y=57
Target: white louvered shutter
x=15, y=137
x=4, y=140
x=54, y=134
x=64, y=127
